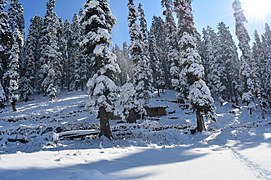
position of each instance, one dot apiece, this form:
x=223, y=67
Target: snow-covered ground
x=237, y=146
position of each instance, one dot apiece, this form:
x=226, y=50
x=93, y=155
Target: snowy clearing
x=236, y=147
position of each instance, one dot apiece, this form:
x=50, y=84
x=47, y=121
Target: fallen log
x=77, y=134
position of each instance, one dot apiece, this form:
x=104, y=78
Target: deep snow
x=237, y=146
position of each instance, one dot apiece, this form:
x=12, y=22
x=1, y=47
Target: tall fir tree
x=142, y=76
x=28, y=83
x=17, y=24
x=11, y=76
x=67, y=51
x=171, y=43
x=247, y=88
x=50, y=51
x=192, y=71
x=85, y=68
x=266, y=41
x=98, y=21
x=158, y=73
x=5, y=45
x=229, y=55
x=261, y=73
x=216, y=78
x=75, y=54
x=160, y=33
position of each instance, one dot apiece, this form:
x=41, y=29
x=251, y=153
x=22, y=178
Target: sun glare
x=259, y=9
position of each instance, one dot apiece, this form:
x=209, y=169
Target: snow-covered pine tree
x=28, y=82
x=67, y=51
x=260, y=62
x=128, y=103
x=229, y=56
x=26, y=89
x=267, y=34
x=142, y=75
x=266, y=41
x=206, y=54
x=159, y=27
x=143, y=26
x=11, y=77
x=51, y=91
x=75, y=54
x=158, y=73
x=192, y=71
x=216, y=78
x=32, y=53
x=85, y=65
x=171, y=43
x=146, y=54
x=5, y=39
x=50, y=52
x=17, y=24
x=246, y=57
x=98, y=22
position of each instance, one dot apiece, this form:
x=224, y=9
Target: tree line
x=172, y=54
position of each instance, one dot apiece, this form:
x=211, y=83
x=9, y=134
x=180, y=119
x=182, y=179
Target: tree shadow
x=106, y=168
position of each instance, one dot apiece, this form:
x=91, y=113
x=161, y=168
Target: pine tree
x=17, y=24
x=12, y=75
x=67, y=51
x=51, y=91
x=207, y=53
x=216, y=78
x=160, y=33
x=85, y=64
x=75, y=54
x=171, y=43
x=28, y=82
x=50, y=51
x=98, y=21
x=260, y=63
x=143, y=26
x=5, y=39
x=192, y=71
x=266, y=42
x=229, y=56
x=246, y=57
x=142, y=77
x=158, y=73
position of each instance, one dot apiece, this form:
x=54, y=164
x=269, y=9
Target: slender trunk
x=158, y=92
x=13, y=104
x=82, y=85
x=104, y=124
x=200, y=121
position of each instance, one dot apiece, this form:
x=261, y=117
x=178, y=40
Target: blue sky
x=206, y=12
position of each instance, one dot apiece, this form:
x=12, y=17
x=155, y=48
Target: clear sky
x=206, y=12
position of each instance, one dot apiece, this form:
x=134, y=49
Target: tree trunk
x=158, y=92
x=200, y=121
x=132, y=116
x=13, y=104
x=104, y=124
